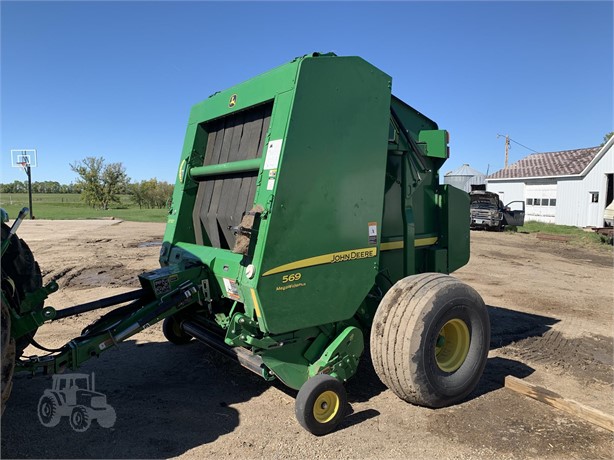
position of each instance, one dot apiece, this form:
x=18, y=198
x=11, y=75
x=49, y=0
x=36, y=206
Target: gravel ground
x=551, y=308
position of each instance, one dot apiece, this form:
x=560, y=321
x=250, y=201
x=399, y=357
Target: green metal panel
x=436, y=141
x=455, y=226
x=318, y=262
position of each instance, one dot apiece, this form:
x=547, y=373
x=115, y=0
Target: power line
x=528, y=148
x=507, y=146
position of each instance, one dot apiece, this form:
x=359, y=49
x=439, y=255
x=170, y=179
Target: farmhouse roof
x=564, y=163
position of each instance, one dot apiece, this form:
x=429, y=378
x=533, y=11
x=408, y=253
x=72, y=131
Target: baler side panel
x=328, y=192
x=456, y=222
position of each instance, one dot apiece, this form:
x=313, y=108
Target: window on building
x=529, y=201
x=552, y=201
x=594, y=197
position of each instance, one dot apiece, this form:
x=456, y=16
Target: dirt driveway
x=551, y=308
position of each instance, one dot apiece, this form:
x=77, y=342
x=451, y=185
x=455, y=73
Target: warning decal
x=271, y=160
x=372, y=232
x=232, y=290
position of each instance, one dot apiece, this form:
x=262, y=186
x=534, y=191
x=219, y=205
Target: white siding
x=574, y=205
x=508, y=191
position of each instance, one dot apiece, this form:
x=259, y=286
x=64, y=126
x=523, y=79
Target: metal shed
x=464, y=177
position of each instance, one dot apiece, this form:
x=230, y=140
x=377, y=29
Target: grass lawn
x=69, y=206
x=576, y=235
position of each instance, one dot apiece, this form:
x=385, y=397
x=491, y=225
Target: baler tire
x=80, y=419
x=47, y=410
x=173, y=332
x=321, y=404
x=18, y=264
x=430, y=339
x=8, y=356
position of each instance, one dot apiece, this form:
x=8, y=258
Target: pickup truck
x=488, y=212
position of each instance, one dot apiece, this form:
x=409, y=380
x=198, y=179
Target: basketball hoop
x=25, y=159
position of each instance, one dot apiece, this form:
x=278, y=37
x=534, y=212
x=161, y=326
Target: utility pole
x=507, y=147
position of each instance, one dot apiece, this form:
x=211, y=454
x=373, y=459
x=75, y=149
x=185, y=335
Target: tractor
x=72, y=395
x=307, y=223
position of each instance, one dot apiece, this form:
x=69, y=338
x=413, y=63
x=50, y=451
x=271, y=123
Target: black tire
x=80, y=419
x=171, y=328
x=407, y=349
x=7, y=348
x=47, y=410
x=19, y=265
x=321, y=404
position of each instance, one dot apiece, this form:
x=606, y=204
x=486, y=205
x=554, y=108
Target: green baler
x=307, y=214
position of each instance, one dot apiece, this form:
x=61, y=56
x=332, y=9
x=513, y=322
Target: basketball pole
x=29, y=173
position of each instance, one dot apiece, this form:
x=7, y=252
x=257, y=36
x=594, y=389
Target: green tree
x=19, y=187
x=114, y=182
x=151, y=193
x=100, y=183
x=137, y=195
x=606, y=138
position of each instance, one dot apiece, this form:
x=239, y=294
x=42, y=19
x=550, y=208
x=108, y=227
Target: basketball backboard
x=21, y=158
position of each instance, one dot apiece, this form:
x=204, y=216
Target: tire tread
x=394, y=341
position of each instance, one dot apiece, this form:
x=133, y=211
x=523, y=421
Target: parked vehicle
x=488, y=212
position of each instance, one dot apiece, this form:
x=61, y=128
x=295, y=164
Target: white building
x=572, y=187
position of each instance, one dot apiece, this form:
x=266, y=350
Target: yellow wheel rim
x=326, y=407
x=452, y=345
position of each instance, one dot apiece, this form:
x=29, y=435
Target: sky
x=118, y=79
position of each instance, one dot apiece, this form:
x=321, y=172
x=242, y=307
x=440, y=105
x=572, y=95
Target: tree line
x=39, y=187
x=100, y=185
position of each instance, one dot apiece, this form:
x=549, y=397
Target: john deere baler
x=307, y=223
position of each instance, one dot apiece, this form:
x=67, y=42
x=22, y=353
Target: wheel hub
x=452, y=345
x=326, y=407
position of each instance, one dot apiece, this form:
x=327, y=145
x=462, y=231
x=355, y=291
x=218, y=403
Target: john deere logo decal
x=233, y=100
x=182, y=171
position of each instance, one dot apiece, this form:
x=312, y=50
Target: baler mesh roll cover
x=222, y=200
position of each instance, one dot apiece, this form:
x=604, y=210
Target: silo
x=464, y=177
